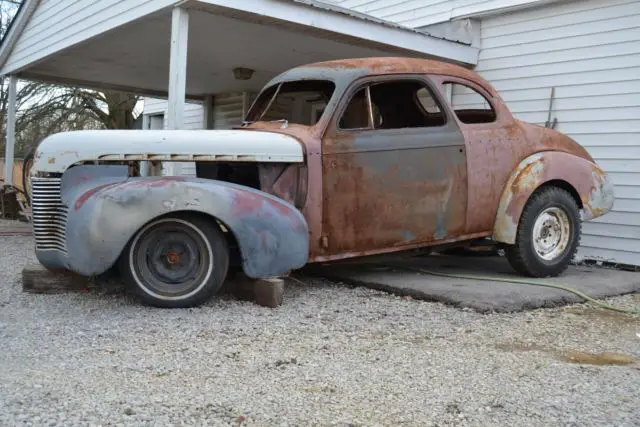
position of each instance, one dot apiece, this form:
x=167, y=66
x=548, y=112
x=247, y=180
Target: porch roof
x=131, y=52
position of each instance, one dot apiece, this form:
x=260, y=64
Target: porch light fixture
x=241, y=73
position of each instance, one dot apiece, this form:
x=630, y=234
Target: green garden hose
x=633, y=312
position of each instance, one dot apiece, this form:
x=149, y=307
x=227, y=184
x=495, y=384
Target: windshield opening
x=302, y=102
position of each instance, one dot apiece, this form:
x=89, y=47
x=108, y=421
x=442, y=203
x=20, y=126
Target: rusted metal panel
x=381, y=199
x=594, y=189
x=310, y=138
x=344, y=71
x=392, y=188
x=288, y=182
x=357, y=192
x=495, y=149
x=104, y=214
x=373, y=199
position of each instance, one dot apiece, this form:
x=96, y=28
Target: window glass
x=405, y=104
x=302, y=102
x=469, y=105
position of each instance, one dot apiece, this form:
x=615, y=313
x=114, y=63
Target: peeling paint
x=272, y=234
x=596, y=192
x=327, y=194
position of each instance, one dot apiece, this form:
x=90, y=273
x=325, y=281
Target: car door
x=494, y=146
x=394, y=168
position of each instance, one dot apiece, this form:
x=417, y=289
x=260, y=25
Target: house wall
x=590, y=52
x=420, y=13
x=193, y=119
x=58, y=24
x=228, y=111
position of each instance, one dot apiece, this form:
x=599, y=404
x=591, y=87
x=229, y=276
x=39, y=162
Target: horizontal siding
x=590, y=52
x=420, y=13
x=227, y=113
x=193, y=120
x=228, y=110
x=154, y=105
x=58, y=24
x=193, y=112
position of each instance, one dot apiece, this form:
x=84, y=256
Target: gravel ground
x=332, y=355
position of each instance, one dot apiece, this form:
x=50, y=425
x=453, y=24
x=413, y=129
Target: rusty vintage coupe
x=335, y=160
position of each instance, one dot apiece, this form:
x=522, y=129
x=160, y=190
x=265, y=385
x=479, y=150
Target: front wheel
x=176, y=262
x=548, y=234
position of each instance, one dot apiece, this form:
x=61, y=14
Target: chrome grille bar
x=49, y=215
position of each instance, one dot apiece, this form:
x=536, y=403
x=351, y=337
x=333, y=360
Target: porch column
x=207, y=107
x=144, y=166
x=11, y=130
x=177, y=74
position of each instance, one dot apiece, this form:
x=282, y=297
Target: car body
x=336, y=160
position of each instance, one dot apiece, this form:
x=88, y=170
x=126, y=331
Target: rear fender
x=105, y=212
x=590, y=182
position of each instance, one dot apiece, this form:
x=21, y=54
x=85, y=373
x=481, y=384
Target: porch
x=191, y=50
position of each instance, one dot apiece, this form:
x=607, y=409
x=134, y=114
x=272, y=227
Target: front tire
x=176, y=262
x=548, y=234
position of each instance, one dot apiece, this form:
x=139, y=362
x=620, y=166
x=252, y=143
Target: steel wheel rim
x=551, y=233
x=171, y=259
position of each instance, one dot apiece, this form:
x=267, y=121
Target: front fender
x=595, y=190
x=104, y=214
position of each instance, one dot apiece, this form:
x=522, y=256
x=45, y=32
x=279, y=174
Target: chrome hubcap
x=551, y=233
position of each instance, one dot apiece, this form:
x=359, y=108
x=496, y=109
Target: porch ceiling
x=135, y=56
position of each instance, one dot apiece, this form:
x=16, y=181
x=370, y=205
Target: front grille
x=49, y=215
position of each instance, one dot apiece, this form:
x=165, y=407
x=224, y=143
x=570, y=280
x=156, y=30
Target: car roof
x=354, y=68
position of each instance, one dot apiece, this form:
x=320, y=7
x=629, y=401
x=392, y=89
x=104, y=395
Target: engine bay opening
x=246, y=174
x=283, y=180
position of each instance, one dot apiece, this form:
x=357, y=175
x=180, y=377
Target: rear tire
x=176, y=261
x=548, y=234
x=27, y=164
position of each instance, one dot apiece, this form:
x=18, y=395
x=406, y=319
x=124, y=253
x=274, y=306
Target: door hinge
x=324, y=241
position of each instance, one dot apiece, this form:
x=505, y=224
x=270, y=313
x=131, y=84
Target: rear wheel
x=548, y=234
x=176, y=262
x=26, y=173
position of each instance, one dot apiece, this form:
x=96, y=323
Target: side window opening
x=469, y=105
x=394, y=105
x=356, y=115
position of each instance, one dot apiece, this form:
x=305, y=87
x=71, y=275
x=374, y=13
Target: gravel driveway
x=331, y=355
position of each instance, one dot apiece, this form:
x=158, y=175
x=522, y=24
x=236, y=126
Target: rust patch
x=391, y=198
x=244, y=203
x=399, y=65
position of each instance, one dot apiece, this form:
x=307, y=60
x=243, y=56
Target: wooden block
x=264, y=292
x=39, y=280
x=269, y=292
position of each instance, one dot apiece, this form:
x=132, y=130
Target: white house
x=587, y=52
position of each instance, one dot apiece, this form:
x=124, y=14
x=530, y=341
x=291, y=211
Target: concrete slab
x=482, y=296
